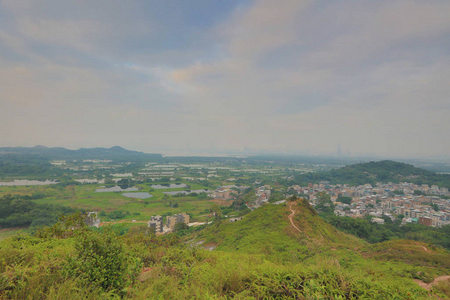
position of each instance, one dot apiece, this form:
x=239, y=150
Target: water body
x=187, y=192
x=141, y=195
x=170, y=186
x=27, y=182
x=87, y=180
x=117, y=189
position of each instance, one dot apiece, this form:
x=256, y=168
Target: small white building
x=377, y=220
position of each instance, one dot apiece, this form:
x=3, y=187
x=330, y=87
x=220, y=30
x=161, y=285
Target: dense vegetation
x=23, y=211
x=262, y=256
x=27, y=165
x=373, y=172
x=72, y=260
x=375, y=233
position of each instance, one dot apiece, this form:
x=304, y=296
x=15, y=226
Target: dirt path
x=121, y=222
x=425, y=248
x=428, y=286
x=291, y=216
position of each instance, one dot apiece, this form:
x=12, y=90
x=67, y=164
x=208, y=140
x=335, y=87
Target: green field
x=85, y=197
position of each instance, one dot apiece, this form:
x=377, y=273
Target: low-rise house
x=377, y=220
x=92, y=219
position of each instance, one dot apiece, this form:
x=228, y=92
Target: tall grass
x=257, y=258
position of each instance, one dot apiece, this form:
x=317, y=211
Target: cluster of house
x=416, y=203
x=228, y=192
x=263, y=193
x=224, y=193
x=231, y=192
x=262, y=196
x=156, y=222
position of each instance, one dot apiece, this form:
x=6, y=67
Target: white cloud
x=287, y=76
x=355, y=85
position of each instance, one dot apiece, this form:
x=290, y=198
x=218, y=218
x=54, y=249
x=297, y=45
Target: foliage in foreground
x=71, y=259
x=100, y=260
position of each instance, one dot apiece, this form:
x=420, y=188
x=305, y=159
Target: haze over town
x=293, y=77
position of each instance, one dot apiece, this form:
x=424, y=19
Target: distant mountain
x=381, y=171
x=115, y=152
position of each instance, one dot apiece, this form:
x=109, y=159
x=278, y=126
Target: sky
x=289, y=77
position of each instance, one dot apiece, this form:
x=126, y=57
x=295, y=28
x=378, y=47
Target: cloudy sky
x=201, y=76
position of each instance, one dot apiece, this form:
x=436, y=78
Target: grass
x=268, y=231
x=7, y=232
x=410, y=252
x=85, y=197
x=259, y=257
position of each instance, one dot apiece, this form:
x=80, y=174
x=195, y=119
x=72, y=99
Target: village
x=411, y=202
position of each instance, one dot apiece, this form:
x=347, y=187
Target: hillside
x=276, y=252
x=268, y=230
x=293, y=234
x=373, y=172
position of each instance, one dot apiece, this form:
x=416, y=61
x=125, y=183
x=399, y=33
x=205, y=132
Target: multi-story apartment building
x=156, y=222
x=179, y=218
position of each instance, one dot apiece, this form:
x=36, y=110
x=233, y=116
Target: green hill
x=268, y=231
x=275, y=252
x=373, y=172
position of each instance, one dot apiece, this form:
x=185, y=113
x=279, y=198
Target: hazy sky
x=365, y=77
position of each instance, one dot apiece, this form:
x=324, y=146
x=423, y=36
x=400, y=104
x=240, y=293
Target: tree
x=323, y=198
x=418, y=193
x=180, y=226
x=276, y=196
x=202, y=196
x=344, y=199
x=250, y=195
x=125, y=183
x=324, y=203
x=216, y=210
x=109, y=181
x=434, y=206
x=101, y=260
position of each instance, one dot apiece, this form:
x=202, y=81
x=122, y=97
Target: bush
x=101, y=260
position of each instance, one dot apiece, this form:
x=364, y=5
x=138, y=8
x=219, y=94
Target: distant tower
x=339, y=151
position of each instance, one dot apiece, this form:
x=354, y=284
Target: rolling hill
x=373, y=172
x=276, y=252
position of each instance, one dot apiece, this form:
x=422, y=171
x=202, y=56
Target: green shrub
x=101, y=260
